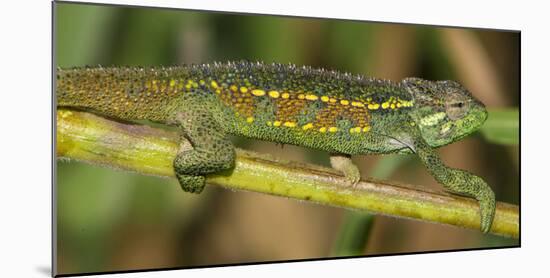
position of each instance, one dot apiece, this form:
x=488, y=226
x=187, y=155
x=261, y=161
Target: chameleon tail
x=125, y=93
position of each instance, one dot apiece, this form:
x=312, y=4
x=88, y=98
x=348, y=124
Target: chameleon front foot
x=462, y=182
x=191, y=184
x=477, y=187
x=487, y=210
x=344, y=164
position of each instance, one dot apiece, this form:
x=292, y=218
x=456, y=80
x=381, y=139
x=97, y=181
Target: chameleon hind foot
x=191, y=166
x=212, y=150
x=344, y=164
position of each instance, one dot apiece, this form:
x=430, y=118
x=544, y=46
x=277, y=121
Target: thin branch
x=86, y=137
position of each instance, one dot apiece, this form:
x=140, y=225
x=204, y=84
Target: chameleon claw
x=476, y=187
x=352, y=175
x=352, y=179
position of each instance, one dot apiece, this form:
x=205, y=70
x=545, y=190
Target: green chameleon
x=342, y=114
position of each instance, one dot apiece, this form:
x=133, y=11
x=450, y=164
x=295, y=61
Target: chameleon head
x=445, y=111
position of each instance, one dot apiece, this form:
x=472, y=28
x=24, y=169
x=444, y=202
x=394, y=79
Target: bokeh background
x=110, y=220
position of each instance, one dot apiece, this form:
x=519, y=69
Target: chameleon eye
x=456, y=106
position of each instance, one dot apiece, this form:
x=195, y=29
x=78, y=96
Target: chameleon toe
x=191, y=184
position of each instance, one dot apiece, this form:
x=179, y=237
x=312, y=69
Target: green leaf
x=502, y=126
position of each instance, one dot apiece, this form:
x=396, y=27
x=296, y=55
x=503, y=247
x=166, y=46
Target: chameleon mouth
x=474, y=120
x=481, y=113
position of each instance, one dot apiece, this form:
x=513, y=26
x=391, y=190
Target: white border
x=25, y=107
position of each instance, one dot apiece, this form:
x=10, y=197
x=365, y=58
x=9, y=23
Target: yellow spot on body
x=273, y=94
x=311, y=97
x=285, y=95
x=357, y=104
x=289, y=124
x=249, y=119
x=301, y=96
x=307, y=126
x=218, y=91
x=332, y=129
x=188, y=86
x=201, y=82
x=324, y=98
x=256, y=92
x=356, y=129
x=366, y=129
x=323, y=129
x=269, y=123
x=332, y=100
x=214, y=84
x=233, y=88
x=392, y=106
x=277, y=123
x=172, y=82
x=195, y=85
x=344, y=102
x=398, y=104
x=244, y=89
x=405, y=103
x=385, y=105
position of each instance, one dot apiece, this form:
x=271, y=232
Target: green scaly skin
x=326, y=110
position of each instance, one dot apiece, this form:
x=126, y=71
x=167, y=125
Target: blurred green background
x=109, y=220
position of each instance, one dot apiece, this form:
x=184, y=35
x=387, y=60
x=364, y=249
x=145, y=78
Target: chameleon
x=341, y=113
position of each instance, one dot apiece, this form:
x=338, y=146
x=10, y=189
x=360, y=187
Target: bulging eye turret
x=456, y=106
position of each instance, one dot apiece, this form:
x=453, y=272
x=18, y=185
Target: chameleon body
x=342, y=114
